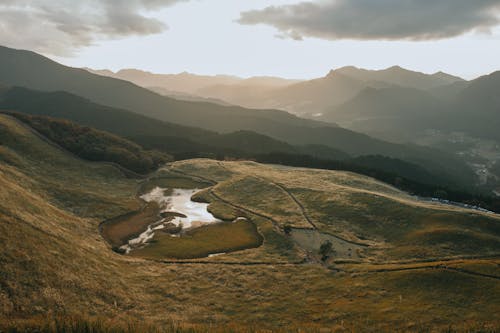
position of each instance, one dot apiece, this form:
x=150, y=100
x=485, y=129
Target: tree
x=287, y=229
x=326, y=249
x=441, y=194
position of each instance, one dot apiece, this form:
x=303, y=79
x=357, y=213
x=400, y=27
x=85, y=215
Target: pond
x=179, y=201
x=178, y=211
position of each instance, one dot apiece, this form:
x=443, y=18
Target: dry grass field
x=424, y=267
x=203, y=241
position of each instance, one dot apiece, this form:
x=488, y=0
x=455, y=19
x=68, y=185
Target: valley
x=389, y=251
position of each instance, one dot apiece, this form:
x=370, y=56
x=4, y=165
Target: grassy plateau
x=421, y=266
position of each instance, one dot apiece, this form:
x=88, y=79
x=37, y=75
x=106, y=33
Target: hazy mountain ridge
x=306, y=97
x=314, y=97
x=29, y=69
x=180, y=140
x=468, y=106
x=191, y=84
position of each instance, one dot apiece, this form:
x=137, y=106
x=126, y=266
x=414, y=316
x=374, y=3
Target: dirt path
x=233, y=263
x=426, y=267
x=199, y=178
x=299, y=204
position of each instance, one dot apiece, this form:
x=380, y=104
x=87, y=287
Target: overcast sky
x=285, y=38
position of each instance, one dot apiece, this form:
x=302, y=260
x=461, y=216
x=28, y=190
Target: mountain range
x=393, y=104
x=35, y=72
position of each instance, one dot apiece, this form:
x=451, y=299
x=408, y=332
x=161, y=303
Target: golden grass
x=200, y=242
x=117, y=231
x=54, y=262
x=354, y=207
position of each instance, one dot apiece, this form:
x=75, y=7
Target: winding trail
x=427, y=267
x=218, y=197
x=299, y=204
x=234, y=263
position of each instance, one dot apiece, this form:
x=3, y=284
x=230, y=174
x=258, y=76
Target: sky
x=286, y=38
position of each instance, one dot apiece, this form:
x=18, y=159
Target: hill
x=192, y=84
x=55, y=263
x=185, y=142
x=30, y=70
x=23, y=68
x=95, y=145
x=36, y=72
x=314, y=97
x=398, y=76
x=477, y=107
x=148, y=132
x=396, y=113
x=469, y=107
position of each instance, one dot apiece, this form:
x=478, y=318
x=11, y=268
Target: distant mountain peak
x=397, y=68
x=448, y=77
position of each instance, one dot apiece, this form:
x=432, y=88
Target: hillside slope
x=54, y=261
x=28, y=69
x=177, y=139
x=95, y=145
x=395, y=112
x=316, y=96
x=148, y=132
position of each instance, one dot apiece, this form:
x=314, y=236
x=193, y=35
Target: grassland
x=54, y=263
x=203, y=241
x=117, y=231
x=394, y=225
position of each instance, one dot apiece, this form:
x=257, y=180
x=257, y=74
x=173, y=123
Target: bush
x=326, y=250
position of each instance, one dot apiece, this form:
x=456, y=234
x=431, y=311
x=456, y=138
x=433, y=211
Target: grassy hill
x=95, y=145
x=54, y=263
x=355, y=207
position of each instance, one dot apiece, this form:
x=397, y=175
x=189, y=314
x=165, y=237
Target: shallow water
x=178, y=201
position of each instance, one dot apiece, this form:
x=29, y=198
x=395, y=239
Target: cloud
x=60, y=27
x=378, y=19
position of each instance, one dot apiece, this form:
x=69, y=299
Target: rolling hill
x=185, y=141
x=315, y=97
x=478, y=108
x=395, y=113
x=28, y=69
x=403, y=114
x=150, y=132
x=95, y=145
x=177, y=85
x=402, y=252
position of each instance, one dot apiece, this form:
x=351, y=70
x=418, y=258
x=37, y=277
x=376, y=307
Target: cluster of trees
x=95, y=145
